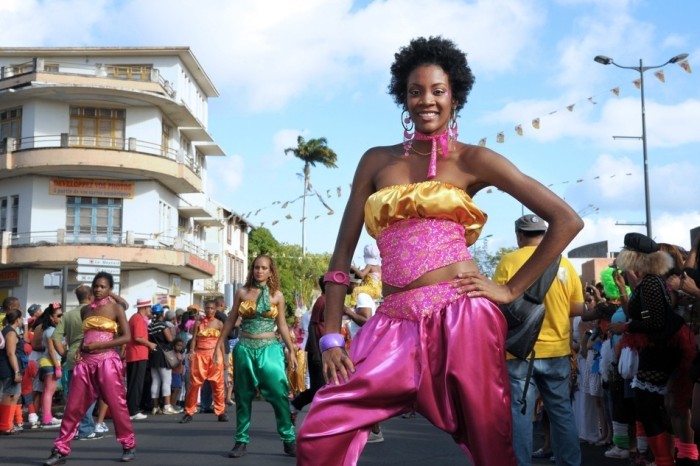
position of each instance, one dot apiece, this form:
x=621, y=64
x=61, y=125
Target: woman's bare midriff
x=443, y=274
x=258, y=336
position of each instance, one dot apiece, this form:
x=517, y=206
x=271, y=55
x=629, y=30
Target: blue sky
x=319, y=68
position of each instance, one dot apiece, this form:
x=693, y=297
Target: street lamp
x=602, y=59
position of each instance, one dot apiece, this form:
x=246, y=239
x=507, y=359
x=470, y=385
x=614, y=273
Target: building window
x=10, y=124
x=133, y=72
x=165, y=223
x=97, y=127
x=165, y=140
x=9, y=214
x=14, y=213
x=93, y=219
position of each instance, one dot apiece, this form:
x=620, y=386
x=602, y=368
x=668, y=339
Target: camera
x=590, y=289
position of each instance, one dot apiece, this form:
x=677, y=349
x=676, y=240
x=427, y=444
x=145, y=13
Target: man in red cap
x=137, y=358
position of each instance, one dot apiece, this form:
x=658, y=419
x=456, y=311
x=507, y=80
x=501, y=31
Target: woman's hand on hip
x=476, y=285
x=336, y=360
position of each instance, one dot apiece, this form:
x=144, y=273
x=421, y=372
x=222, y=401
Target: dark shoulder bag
x=525, y=316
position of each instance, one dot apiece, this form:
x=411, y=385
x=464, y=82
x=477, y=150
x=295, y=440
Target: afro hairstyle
x=432, y=51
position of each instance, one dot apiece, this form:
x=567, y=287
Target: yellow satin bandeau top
x=247, y=310
x=427, y=199
x=100, y=323
x=208, y=332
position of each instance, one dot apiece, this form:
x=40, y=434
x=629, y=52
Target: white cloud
x=225, y=175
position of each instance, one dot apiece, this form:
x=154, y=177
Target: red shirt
x=138, y=326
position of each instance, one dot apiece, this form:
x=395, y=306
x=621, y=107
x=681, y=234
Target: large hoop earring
x=408, y=126
x=454, y=130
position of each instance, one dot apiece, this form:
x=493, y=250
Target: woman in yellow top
x=371, y=275
x=98, y=371
x=258, y=357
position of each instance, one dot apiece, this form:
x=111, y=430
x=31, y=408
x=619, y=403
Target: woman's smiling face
x=428, y=99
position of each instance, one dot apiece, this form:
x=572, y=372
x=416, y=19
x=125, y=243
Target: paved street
x=206, y=442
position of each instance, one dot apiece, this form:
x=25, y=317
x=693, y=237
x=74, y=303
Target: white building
x=103, y=155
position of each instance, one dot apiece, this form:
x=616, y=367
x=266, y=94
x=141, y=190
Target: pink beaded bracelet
x=337, y=276
x=332, y=340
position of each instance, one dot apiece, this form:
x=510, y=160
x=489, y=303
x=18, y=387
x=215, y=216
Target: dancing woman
x=99, y=371
x=415, y=199
x=258, y=357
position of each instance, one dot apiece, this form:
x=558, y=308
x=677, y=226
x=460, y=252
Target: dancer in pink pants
x=99, y=372
x=436, y=344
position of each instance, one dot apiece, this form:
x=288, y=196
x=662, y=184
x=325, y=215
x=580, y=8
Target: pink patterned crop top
x=421, y=227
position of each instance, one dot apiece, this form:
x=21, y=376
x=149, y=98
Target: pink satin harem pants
x=430, y=349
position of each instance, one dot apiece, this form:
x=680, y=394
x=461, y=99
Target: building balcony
x=62, y=156
x=135, y=85
x=136, y=251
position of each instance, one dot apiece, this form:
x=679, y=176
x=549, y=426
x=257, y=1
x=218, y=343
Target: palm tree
x=311, y=152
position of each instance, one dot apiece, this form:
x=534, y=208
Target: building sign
x=200, y=264
x=91, y=188
x=9, y=278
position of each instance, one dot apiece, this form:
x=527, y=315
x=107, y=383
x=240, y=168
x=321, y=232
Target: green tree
x=487, y=261
x=299, y=275
x=261, y=241
x=311, y=152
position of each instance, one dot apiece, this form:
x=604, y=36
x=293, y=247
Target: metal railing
x=98, y=70
x=63, y=140
x=62, y=237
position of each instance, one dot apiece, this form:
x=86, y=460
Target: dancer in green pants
x=258, y=358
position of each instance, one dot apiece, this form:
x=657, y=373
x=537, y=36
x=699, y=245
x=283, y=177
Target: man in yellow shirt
x=552, y=370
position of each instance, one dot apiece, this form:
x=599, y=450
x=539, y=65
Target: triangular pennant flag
x=570, y=107
x=275, y=222
x=328, y=193
x=660, y=76
x=519, y=130
x=302, y=219
x=316, y=217
x=590, y=99
x=637, y=83
x=331, y=212
x=686, y=66
x=288, y=216
x=284, y=206
x=616, y=91
x=322, y=201
x=500, y=138
x=338, y=191
x=257, y=212
x=262, y=224
x=536, y=123
x=482, y=142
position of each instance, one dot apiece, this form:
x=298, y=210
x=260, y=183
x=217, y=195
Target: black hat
x=530, y=222
x=640, y=243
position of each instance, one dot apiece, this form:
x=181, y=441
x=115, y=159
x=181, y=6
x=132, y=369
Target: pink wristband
x=337, y=276
x=332, y=340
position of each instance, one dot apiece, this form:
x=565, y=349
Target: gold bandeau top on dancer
x=415, y=198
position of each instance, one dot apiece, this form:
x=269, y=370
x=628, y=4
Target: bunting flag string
x=489, y=190
x=500, y=139
x=537, y=122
